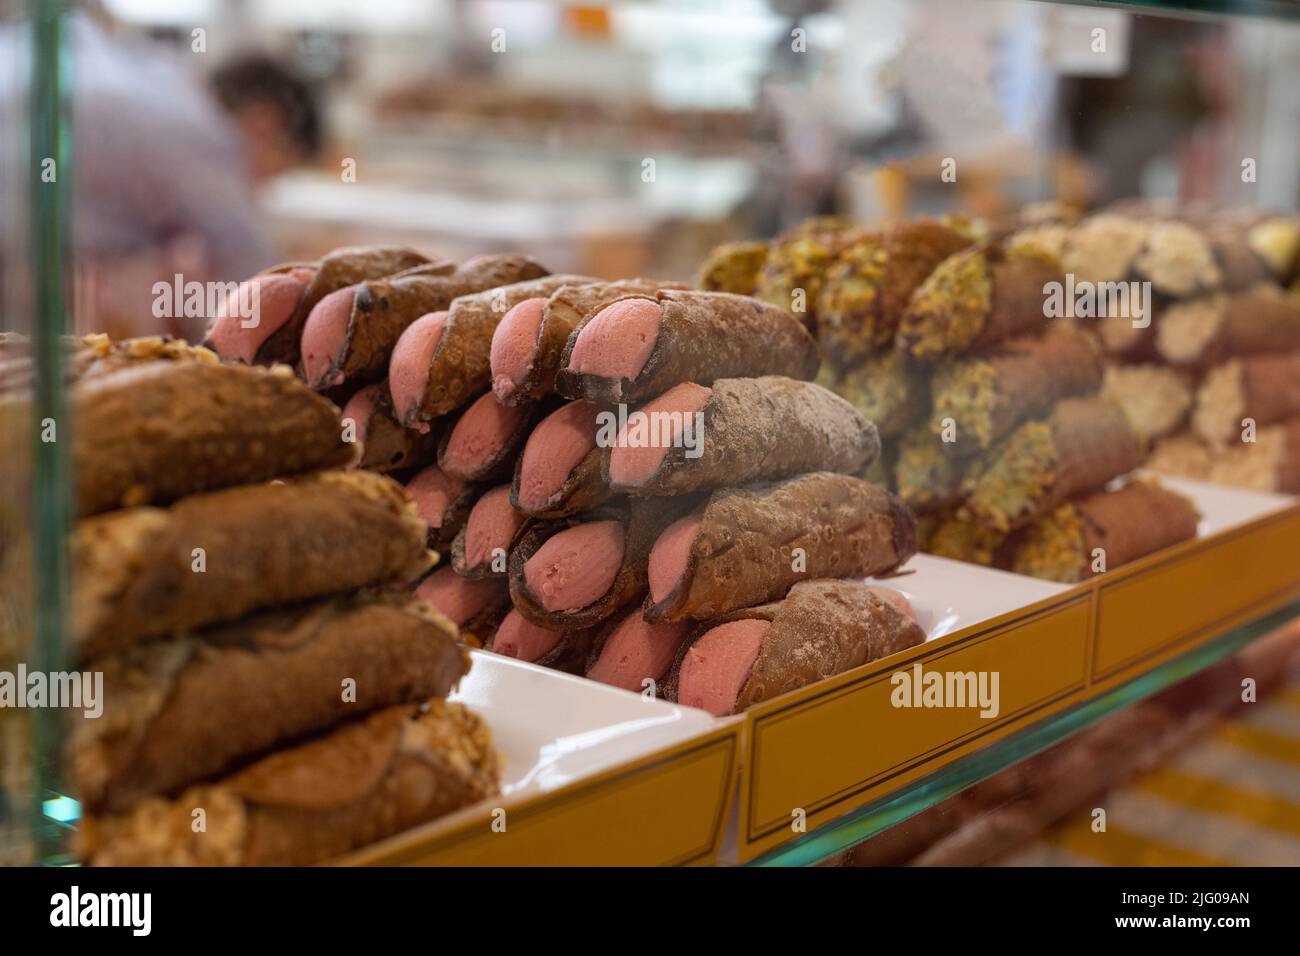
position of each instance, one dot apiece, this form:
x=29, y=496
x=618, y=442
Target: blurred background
x=214, y=137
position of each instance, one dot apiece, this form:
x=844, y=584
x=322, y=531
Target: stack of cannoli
x=613, y=471
x=273, y=693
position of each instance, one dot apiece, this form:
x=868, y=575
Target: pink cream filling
x=324, y=336
x=670, y=555
x=559, y=442
x=575, y=567
x=492, y=524
x=277, y=295
x=359, y=409
x=514, y=345
x=434, y=492
x=618, y=340
x=520, y=638
x=459, y=598
x=716, y=666
x=408, y=366
x=652, y=430
x=637, y=651
x=480, y=435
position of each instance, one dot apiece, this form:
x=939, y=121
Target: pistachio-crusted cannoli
x=928, y=475
x=820, y=629
x=365, y=781
x=576, y=572
x=491, y=531
x=981, y=399
x=1270, y=463
x=1083, y=444
x=172, y=716
x=1103, y=531
x=976, y=299
x=736, y=432
x=796, y=263
x=733, y=267
x=1257, y=390
x=563, y=469
x=869, y=284
x=749, y=545
x=959, y=537
x=475, y=605
x=385, y=444
x=146, y=572
x=883, y=388
x=350, y=335
x=1155, y=398
x=443, y=361
x=151, y=433
x=642, y=345
x=1201, y=333
x=285, y=294
x=529, y=341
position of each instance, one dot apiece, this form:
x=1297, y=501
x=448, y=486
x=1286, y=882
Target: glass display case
x=1092, y=500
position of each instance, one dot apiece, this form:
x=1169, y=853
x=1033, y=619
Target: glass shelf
x=853, y=828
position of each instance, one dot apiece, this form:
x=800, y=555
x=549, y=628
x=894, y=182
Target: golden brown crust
x=147, y=572
x=704, y=336
x=745, y=551
x=762, y=429
x=157, y=431
x=365, y=781
x=184, y=710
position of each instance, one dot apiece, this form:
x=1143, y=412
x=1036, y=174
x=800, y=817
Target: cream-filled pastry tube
x=561, y=649
x=642, y=345
x=750, y=545
x=635, y=654
x=475, y=605
x=562, y=470
x=1246, y=394
x=481, y=443
x=443, y=503
x=491, y=531
x=385, y=445
x=820, y=629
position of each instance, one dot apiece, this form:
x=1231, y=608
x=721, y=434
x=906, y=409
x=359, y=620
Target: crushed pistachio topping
x=964, y=540
x=1220, y=405
x=967, y=393
x=880, y=389
x=948, y=311
x=733, y=267
x=1178, y=260
x=927, y=475
x=1046, y=242
x=1009, y=486
x=849, y=297
x=1053, y=548
x=1277, y=242
x=1186, y=328
x=798, y=263
x=1154, y=398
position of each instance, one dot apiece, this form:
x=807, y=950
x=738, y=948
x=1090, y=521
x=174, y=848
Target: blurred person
x=166, y=166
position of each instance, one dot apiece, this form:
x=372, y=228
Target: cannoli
x=171, y=718
x=385, y=444
x=1251, y=249
x=749, y=545
x=475, y=606
x=796, y=263
x=820, y=629
x=641, y=346
x=491, y=531
x=1155, y=398
x=632, y=650
x=481, y=445
x=438, y=366
x=575, y=573
x=733, y=267
x=1206, y=332
x=152, y=433
x=443, y=503
x=739, y=431
x=284, y=295
x=1270, y=463
x=984, y=398
x=1184, y=455
x=1175, y=257
x=868, y=286
x=975, y=299
x=960, y=538
x=145, y=572
x=929, y=477
x=365, y=781
x=529, y=340
x=349, y=336
x=562, y=650
x=1263, y=389
x=1103, y=531
x=562, y=470
x=1083, y=444
x=883, y=388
